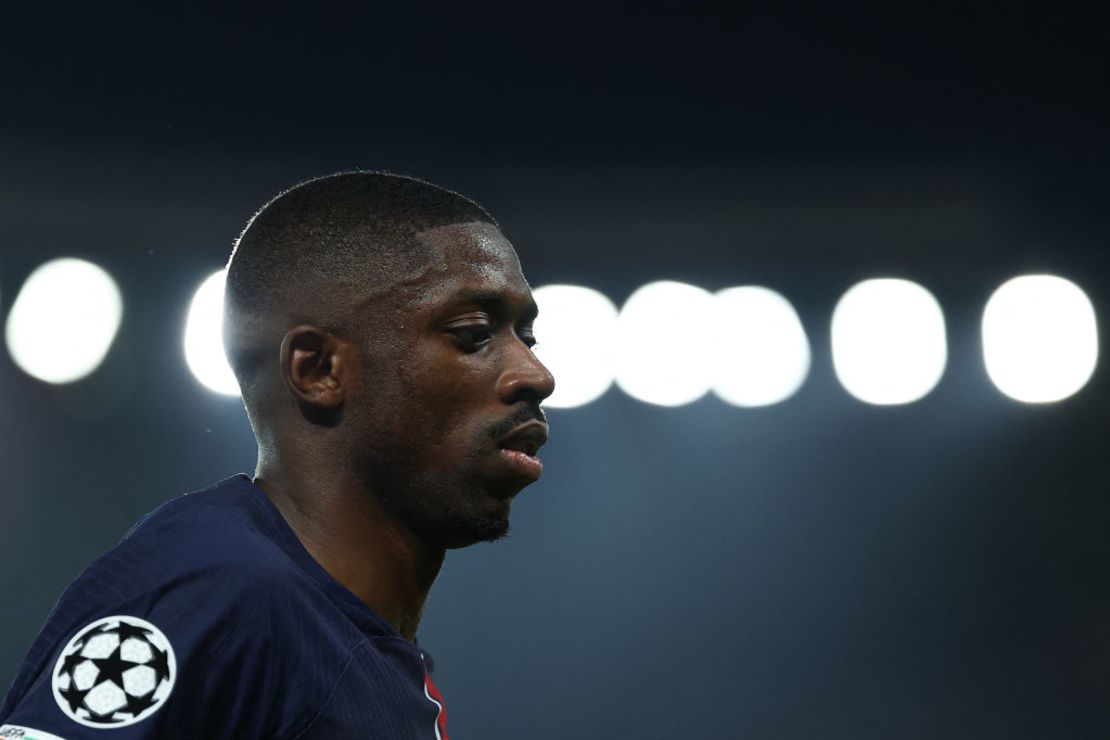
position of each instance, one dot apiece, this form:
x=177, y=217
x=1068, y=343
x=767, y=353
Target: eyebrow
x=495, y=299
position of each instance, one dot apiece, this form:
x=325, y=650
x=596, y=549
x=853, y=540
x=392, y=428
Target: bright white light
x=888, y=341
x=762, y=354
x=576, y=330
x=1040, y=339
x=204, y=349
x=664, y=343
x=64, y=320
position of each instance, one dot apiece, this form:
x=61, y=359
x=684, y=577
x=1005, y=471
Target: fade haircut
x=312, y=247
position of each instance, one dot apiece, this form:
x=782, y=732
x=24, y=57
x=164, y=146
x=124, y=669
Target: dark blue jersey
x=211, y=620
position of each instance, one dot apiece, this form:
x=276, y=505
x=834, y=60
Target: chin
x=478, y=529
x=484, y=519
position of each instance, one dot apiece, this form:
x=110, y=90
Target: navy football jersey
x=211, y=620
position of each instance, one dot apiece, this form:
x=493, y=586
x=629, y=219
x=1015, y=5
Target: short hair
x=308, y=245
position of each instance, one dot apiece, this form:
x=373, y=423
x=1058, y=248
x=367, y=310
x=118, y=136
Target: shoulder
x=213, y=542
x=206, y=564
x=201, y=594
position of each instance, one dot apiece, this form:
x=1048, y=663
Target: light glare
x=576, y=330
x=762, y=354
x=888, y=341
x=1040, y=338
x=64, y=320
x=664, y=343
x=204, y=350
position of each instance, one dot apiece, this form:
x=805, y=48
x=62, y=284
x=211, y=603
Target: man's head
x=381, y=325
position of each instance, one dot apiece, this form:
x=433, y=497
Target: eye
x=472, y=337
x=528, y=338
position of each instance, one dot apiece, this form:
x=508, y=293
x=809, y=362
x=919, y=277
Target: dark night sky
x=600, y=88
x=818, y=568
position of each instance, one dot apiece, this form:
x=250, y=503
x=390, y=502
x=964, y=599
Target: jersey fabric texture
x=211, y=620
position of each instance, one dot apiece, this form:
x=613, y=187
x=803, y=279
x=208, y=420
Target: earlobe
x=312, y=367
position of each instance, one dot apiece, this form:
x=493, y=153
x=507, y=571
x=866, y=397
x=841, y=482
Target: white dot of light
x=1040, y=338
x=576, y=330
x=204, y=349
x=64, y=320
x=762, y=354
x=888, y=341
x=664, y=342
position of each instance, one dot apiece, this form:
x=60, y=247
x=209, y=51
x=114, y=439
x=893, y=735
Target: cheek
x=425, y=400
x=455, y=429
x=423, y=411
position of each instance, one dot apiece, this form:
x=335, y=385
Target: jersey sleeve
x=207, y=651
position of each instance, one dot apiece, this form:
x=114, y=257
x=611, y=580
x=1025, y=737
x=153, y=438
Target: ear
x=316, y=367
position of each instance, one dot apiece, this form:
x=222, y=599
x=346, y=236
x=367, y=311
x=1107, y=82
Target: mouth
x=528, y=438
x=518, y=449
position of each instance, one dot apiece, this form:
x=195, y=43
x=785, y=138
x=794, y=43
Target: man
x=381, y=332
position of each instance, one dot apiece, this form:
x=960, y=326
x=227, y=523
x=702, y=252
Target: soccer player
x=381, y=332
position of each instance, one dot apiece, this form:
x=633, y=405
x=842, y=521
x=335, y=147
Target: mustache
x=531, y=412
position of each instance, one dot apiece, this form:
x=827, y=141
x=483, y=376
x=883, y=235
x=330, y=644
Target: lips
x=518, y=449
x=528, y=438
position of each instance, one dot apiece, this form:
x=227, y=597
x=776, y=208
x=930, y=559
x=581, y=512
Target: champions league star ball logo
x=115, y=672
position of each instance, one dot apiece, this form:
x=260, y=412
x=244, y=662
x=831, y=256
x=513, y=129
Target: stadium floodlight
x=204, y=349
x=1040, y=338
x=576, y=330
x=64, y=320
x=888, y=341
x=762, y=353
x=664, y=343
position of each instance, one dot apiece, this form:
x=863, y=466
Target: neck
x=344, y=527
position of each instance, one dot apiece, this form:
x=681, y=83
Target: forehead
x=470, y=258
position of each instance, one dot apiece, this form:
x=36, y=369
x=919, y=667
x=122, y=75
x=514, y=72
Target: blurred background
x=773, y=524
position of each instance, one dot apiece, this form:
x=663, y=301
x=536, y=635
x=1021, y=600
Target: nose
x=525, y=378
